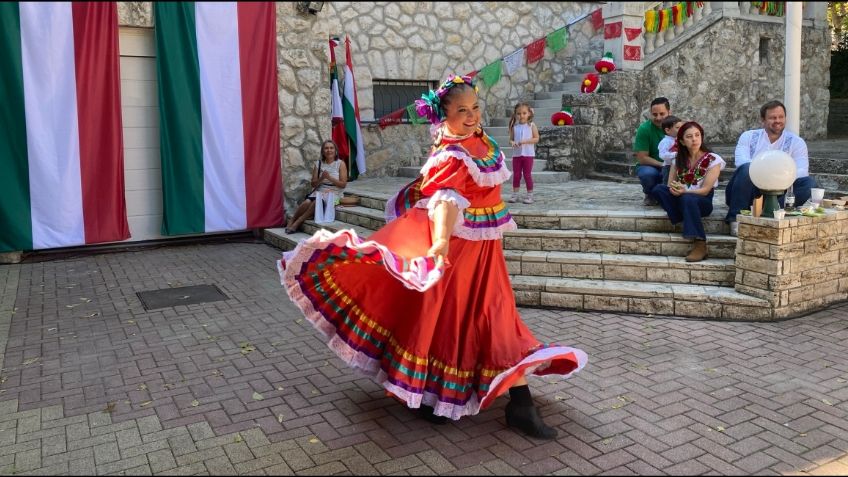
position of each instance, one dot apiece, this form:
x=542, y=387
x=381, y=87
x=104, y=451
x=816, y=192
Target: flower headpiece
x=430, y=104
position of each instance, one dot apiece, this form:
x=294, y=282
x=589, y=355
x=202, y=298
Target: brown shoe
x=698, y=252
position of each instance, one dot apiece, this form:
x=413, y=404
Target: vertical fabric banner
x=219, y=123
x=337, y=113
x=350, y=104
x=61, y=147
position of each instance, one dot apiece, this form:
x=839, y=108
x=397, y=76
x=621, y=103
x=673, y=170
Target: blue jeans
x=688, y=208
x=666, y=170
x=649, y=176
x=740, y=192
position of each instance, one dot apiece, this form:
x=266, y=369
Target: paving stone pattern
x=94, y=384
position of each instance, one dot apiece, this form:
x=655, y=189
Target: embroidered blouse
x=694, y=177
x=466, y=172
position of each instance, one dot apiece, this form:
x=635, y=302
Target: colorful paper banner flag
x=597, y=19
x=491, y=73
x=612, y=30
x=557, y=40
x=513, y=61
x=535, y=51
x=632, y=33
x=632, y=52
x=395, y=117
x=413, y=116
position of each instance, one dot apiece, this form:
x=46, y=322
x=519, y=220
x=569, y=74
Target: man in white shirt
x=740, y=192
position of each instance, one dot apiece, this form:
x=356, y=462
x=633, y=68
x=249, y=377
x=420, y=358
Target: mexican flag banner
x=61, y=143
x=219, y=123
x=350, y=105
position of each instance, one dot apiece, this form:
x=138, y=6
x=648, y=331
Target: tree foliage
x=837, y=17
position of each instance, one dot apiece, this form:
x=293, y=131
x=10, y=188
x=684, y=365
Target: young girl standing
x=523, y=136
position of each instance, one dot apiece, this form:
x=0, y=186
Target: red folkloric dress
x=448, y=336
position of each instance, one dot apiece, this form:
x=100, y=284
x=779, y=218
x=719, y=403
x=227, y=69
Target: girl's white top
x=523, y=132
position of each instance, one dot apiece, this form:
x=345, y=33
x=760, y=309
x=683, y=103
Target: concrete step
x=653, y=298
x=655, y=219
x=606, y=266
x=650, y=220
x=831, y=182
x=570, y=85
x=629, y=170
x=818, y=164
x=613, y=241
x=609, y=177
x=280, y=239
x=538, y=104
x=542, y=115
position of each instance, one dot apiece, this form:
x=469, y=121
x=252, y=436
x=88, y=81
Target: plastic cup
x=816, y=195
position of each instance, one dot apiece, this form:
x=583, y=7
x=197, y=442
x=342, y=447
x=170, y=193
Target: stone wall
x=716, y=78
x=604, y=121
x=798, y=264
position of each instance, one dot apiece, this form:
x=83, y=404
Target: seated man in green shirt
x=645, y=145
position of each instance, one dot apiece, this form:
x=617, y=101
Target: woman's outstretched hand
x=439, y=250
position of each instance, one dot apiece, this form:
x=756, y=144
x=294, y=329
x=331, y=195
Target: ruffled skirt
x=448, y=336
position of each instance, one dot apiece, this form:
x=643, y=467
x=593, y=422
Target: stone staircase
x=544, y=104
x=619, y=166
x=622, y=261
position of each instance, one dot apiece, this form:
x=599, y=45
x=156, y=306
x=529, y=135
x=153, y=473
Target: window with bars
x=391, y=95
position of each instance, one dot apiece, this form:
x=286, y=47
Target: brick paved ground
x=92, y=383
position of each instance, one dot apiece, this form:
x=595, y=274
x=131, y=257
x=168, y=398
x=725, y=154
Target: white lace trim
x=451, y=196
x=416, y=275
x=460, y=229
x=481, y=178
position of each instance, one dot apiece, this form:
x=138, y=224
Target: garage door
x=143, y=180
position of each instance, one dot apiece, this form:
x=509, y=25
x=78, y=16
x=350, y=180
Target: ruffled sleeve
x=715, y=161
x=448, y=174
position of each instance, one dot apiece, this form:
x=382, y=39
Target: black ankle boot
x=426, y=412
x=528, y=420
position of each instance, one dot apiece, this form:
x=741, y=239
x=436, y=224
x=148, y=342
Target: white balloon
x=772, y=170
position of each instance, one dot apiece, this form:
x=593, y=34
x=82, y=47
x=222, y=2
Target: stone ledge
x=11, y=257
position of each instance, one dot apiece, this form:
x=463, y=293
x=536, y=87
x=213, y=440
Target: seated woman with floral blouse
x=688, y=196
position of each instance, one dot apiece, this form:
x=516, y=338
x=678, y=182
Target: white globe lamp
x=772, y=172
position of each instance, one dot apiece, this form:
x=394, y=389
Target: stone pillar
x=623, y=20
x=792, y=67
x=798, y=265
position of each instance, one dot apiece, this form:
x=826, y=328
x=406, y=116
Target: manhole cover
x=168, y=297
